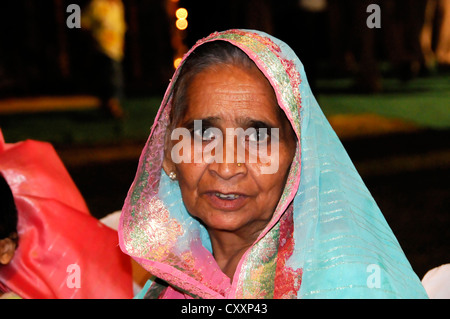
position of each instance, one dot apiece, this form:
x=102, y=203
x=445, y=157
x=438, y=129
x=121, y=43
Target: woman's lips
x=226, y=201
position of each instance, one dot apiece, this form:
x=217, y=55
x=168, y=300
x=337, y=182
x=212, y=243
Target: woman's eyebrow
x=206, y=122
x=257, y=124
x=213, y=121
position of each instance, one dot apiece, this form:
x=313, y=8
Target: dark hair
x=206, y=56
x=8, y=211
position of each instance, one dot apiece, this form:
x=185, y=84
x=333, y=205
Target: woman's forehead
x=231, y=93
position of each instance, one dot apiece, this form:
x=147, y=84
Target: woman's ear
x=7, y=250
x=168, y=165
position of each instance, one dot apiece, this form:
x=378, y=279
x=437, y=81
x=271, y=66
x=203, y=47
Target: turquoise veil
x=343, y=242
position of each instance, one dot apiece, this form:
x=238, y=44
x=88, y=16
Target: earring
x=172, y=175
x=239, y=164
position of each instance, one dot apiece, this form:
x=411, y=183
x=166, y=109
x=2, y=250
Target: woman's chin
x=218, y=222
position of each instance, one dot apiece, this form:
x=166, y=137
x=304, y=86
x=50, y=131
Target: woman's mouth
x=227, y=196
x=226, y=201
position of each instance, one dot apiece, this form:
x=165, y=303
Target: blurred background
x=91, y=84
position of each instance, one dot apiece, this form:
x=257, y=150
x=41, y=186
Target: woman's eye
x=258, y=135
x=209, y=134
x=204, y=134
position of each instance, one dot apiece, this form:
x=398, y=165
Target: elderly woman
x=243, y=189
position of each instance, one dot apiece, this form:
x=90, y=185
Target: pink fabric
x=193, y=271
x=57, y=235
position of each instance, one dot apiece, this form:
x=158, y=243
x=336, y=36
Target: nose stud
x=239, y=164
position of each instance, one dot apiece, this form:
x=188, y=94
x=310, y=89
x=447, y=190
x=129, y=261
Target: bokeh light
x=181, y=13
x=176, y=62
x=181, y=24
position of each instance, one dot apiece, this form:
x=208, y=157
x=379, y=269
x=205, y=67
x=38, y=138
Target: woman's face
x=223, y=194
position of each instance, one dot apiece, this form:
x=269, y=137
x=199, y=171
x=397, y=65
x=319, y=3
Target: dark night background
x=407, y=170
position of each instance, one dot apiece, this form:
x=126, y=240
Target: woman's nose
x=227, y=171
x=232, y=161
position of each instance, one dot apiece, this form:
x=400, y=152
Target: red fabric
x=63, y=251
